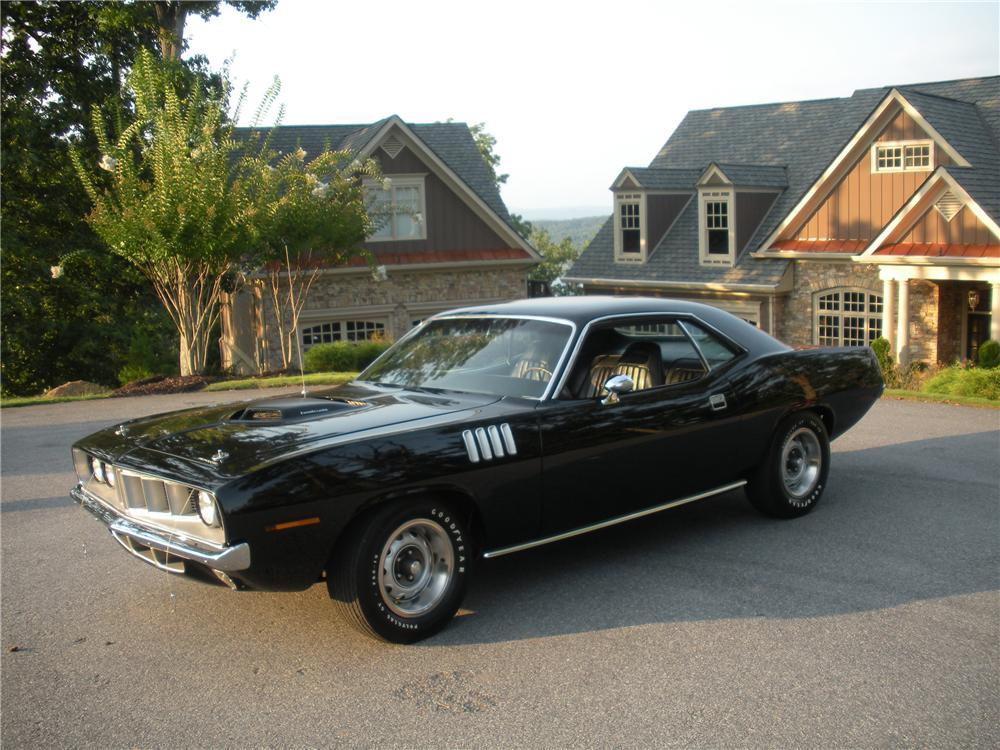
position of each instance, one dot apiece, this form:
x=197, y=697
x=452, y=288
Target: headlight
x=207, y=509
x=109, y=475
x=97, y=469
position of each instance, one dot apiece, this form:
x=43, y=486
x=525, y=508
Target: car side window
x=714, y=349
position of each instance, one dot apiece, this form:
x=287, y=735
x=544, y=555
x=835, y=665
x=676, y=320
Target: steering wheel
x=547, y=374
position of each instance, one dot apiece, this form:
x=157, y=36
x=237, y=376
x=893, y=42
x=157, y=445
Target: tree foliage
x=557, y=257
x=60, y=59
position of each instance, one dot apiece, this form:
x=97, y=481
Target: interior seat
x=642, y=362
x=683, y=371
x=601, y=368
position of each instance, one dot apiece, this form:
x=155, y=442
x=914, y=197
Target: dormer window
x=717, y=235
x=630, y=228
x=903, y=156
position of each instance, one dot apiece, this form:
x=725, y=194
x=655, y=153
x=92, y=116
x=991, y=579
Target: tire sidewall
x=379, y=615
x=792, y=505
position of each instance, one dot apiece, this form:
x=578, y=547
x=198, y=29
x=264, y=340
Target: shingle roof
x=665, y=179
x=450, y=141
x=800, y=139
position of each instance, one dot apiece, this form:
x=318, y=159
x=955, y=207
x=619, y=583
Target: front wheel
x=401, y=576
x=793, y=476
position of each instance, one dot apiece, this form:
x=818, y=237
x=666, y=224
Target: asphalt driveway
x=872, y=622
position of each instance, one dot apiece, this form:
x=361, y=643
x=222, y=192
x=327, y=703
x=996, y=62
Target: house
x=827, y=222
x=448, y=242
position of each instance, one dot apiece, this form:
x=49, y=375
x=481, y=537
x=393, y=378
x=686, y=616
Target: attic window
x=717, y=235
x=630, y=228
x=903, y=156
x=948, y=205
x=392, y=145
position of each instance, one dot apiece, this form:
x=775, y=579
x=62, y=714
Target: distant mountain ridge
x=580, y=231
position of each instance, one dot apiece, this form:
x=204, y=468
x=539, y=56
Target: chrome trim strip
x=611, y=522
x=470, y=446
x=694, y=343
x=227, y=559
x=508, y=438
x=484, y=444
x=495, y=443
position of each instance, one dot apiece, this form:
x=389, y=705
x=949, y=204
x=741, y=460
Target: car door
x=662, y=443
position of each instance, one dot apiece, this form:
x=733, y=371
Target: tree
x=59, y=60
x=171, y=15
x=315, y=216
x=556, y=259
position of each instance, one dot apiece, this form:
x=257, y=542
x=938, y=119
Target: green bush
x=890, y=373
x=989, y=354
x=956, y=380
x=342, y=356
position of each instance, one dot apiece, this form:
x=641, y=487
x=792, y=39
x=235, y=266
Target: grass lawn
x=941, y=398
x=32, y=400
x=315, y=378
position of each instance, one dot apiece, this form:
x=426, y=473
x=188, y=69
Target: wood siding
x=750, y=211
x=451, y=223
x=662, y=210
x=963, y=229
x=863, y=202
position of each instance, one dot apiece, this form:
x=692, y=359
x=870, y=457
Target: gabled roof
x=803, y=139
x=658, y=179
x=451, y=142
x=749, y=175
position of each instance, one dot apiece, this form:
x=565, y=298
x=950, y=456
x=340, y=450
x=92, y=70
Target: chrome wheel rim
x=801, y=462
x=415, y=567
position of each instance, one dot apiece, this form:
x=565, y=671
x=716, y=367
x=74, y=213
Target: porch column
x=995, y=311
x=888, y=310
x=903, y=324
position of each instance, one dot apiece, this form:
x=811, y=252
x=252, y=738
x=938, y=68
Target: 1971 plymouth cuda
x=485, y=431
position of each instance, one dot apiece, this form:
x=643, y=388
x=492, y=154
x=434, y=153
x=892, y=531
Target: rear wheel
x=401, y=576
x=793, y=475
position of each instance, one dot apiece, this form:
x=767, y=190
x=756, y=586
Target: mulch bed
x=166, y=384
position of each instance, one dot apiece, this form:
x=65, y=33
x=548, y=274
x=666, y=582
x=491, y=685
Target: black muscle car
x=485, y=431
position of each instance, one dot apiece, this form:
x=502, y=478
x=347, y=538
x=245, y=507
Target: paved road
x=872, y=622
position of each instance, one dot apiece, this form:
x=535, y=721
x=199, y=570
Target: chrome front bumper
x=138, y=539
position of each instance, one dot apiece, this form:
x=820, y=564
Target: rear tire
x=401, y=575
x=793, y=475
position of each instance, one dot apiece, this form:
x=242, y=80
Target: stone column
x=888, y=310
x=995, y=311
x=903, y=324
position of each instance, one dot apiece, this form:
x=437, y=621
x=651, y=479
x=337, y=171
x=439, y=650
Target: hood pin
x=219, y=456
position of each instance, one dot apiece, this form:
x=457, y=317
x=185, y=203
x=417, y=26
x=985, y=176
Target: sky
x=575, y=91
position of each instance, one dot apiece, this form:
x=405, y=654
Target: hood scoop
x=283, y=411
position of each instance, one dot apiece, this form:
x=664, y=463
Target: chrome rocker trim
x=124, y=530
x=611, y=522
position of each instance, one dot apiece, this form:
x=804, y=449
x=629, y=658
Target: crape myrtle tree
x=196, y=210
x=316, y=214
x=70, y=308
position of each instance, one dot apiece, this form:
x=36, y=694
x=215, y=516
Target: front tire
x=402, y=575
x=793, y=475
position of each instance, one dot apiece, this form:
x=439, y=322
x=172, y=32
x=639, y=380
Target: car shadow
x=889, y=530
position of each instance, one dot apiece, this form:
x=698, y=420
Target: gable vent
x=392, y=146
x=948, y=205
x=487, y=443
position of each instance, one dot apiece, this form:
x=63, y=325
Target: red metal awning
x=820, y=246
x=938, y=250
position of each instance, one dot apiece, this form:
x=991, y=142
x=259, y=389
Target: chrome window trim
x=701, y=354
x=740, y=350
x=452, y=315
x=612, y=521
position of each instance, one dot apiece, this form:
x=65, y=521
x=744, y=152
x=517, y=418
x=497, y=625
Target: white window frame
x=716, y=195
x=902, y=145
x=637, y=199
x=871, y=316
x=399, y=181
x=339, y=329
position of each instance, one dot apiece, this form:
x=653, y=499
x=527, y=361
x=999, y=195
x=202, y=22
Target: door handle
x=717, y=401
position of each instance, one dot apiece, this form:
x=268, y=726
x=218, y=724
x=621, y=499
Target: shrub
x=342, y=356
x=956, y=380
x=890, y=374
x=989, y=355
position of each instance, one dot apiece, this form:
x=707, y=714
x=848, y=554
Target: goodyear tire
x=793, y=475
x=402, y=574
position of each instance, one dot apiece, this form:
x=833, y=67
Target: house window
x=908, y=156
x=630, y=245
x=717, y=238
x=341, y=330
x=399, y=206
x=847, y=317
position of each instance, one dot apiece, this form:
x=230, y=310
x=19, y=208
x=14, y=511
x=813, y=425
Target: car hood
x=239, y=437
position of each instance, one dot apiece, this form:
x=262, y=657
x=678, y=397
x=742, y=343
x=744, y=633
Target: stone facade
x=795, y=319
x=923, y=321
x=397, y=301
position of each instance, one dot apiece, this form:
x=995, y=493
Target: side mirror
x=615, y=387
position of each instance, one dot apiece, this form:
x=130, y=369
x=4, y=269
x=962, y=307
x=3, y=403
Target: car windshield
x=496, y=356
